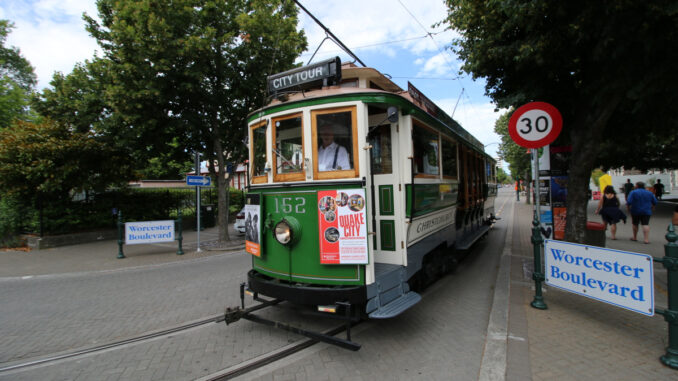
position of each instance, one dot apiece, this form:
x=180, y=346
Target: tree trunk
x=223, y=192
x=586, y=135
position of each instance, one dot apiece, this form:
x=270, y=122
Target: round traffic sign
x=535, y=124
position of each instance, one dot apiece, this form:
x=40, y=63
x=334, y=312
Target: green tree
x=502, y=176
x=515, y=155
x=603, y=64
x=78, y=100
x=51, y=161
x=190, y=71
x=16, y=80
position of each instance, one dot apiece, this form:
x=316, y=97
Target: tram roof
x=379, y=90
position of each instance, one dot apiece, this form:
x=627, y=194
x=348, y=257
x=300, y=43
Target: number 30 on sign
x=535, y=125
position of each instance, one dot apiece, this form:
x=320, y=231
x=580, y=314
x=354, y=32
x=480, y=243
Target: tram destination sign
x=324, y=73
x=620, y=278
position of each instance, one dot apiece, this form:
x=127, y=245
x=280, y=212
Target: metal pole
x=670, y=262
x=180, y=238
x=537, y=241
x=120, y=236
x=197, y=193
x=537, y=209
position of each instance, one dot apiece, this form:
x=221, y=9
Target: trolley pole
x=670, y=262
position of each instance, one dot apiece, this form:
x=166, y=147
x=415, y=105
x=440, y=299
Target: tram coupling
x=233, y=314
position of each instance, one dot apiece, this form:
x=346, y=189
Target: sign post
x=535, y=125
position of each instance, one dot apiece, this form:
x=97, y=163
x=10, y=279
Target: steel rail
x=230, y=373
x=120, y=343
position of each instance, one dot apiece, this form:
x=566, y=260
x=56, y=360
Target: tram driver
x=331, y=156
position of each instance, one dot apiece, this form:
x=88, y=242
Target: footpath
x=103, y=255
x=578, y=338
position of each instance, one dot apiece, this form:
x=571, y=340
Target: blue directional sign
x=198, y=181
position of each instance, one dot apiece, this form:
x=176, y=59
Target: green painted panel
x=386, y=200
x=387, y=232
x=301, y=261
x=430, y=197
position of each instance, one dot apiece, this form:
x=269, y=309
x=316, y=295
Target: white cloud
x=50, y=34
x=364, y=26
x=441, y=64
x=476, y=118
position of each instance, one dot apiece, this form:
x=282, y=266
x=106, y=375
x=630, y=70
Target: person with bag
x=608, y=208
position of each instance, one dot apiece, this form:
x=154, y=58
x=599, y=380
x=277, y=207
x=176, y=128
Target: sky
x=396, y=37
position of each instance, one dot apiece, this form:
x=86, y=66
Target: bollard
x=180, y=238
x=537, y=275
x=121, y=236
x=670, y=262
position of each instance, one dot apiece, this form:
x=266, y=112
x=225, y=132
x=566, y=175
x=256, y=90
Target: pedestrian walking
x=517, y=191
x=608, y=208
x=658, y=189
x=628, y=187
x=640, y=204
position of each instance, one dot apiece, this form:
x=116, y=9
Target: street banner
x=253, y=225
x=620, y=278
x=149, y=232
x=343, y=229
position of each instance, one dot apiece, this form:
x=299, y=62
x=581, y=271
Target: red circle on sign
x=535, y=124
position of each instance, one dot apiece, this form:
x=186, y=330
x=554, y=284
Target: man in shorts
x=640, y=204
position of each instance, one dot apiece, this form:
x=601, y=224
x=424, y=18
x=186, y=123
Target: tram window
x=426, y=151
x=258, y=144
x=380, y=140
x=289, y=148
x=449, y=158
x=335, y=143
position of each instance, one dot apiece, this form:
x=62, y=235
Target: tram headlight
x=283, y=232
x=287, y=231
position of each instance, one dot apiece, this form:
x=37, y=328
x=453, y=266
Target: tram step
x=397, y=306
x=471, y=237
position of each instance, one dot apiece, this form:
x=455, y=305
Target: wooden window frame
x=456, y=154
x=284, y=177
x=260, y=179
x=417, y=124
x=337, y=174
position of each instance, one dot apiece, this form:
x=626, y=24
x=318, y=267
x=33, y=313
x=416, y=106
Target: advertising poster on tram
x=253, y=225
x=342, y=226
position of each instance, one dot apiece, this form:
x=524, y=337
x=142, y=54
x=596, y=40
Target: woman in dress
x=608, y=208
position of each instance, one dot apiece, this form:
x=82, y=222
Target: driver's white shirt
x=326, y=158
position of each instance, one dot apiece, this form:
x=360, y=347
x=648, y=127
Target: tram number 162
x=286, y=205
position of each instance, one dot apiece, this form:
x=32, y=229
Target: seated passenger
x=331, y=156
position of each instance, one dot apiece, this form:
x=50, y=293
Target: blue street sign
x=198, y=181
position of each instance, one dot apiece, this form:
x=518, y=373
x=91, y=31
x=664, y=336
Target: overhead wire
x=380, y=43
x=443, y=52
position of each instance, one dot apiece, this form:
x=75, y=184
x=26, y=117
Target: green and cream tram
x=360, y=191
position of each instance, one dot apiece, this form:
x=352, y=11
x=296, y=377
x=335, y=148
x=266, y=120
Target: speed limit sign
x=535, y=125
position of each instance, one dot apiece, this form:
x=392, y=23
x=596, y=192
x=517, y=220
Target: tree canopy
x=52, y=160
x=16, y=80
x=190, y=71
x=604, y=64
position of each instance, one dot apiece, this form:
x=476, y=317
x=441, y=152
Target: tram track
x=268, y=358
x=112, y=345
x=225, y=374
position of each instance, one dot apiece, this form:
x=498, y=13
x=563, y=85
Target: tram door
x=387, y=194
